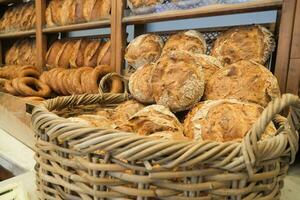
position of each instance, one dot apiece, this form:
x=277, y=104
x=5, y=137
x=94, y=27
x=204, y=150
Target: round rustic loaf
x=140, y=85
x=123, y=112
x=245, y=81
x=223, y=120
x=142, y=3
x=177, y=81
x=191, y=41
x=155, y=119
x=98, y=121
x=143, y=49
x=244, y=43
x=209, y=64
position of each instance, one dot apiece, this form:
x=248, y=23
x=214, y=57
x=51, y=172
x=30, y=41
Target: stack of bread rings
x=79, y=81
x=23, y=81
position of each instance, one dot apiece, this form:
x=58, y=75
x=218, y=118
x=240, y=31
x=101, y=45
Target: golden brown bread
x=101, y=9
x=18, y=17
x=245, y=81
x=142, y=3
x=123, y=112
x=155, y=119
x=104, y=56
x=77, y=57
x=68, y=12
x=140, y=85
x=91, y=53
x=223, y=120
x=177, y=80
x=53, y=13
x=143, y=49
x=52, y=54
x=22, y=52
x=209, y=64
x=244, y=43
x=191, y=41
x=95, y=121
x=63, y=56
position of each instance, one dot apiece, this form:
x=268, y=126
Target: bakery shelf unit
x=45, y=34
x=282, y=28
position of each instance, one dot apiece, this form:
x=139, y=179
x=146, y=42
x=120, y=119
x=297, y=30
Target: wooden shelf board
x=17, y=34
x=212, y=10
x=76, y=27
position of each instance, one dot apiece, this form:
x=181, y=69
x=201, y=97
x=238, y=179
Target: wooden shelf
x=76, y=27
x=212, y=10
x=17, y=34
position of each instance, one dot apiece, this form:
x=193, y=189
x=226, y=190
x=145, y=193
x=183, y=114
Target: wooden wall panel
x=293, y=80
x=296, y=35
x=284, y=42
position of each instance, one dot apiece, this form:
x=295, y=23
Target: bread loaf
x=140, y=85
x=209, y=64
x=141, y=3
x=52, y=54
x=77, y=57
x=155, y=119
x=91, y=53
x=63, y=56
x=104, y=56
x=245, y=81
x=223, y=120
x=177, y=81
x=53, y=13
x=18, y=17
x=245, y=43
x=191, y=41
x=101, y=9
x=22, y=52
x=123, y=112
x=143, y=49
x=68, y=12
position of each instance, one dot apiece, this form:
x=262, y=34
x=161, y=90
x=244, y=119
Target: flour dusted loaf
x=245, y=81
x=155, y=119
x=177, y=81
x=209, y=64
x=140, y=84
x=143, y=6
x=123, y=112
x=223, y=120
x=99, y=121
x=244, y=43
x=191, y=41
x=143, y=49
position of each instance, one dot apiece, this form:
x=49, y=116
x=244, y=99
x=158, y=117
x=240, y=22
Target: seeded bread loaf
x=223, y=120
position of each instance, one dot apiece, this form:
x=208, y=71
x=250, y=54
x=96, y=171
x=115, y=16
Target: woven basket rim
x=251, y=141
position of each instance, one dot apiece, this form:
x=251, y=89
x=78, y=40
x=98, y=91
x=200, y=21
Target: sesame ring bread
x=123, y=112
x=10, y=89
x=85, y=80
x=143, y=49
x=52, y=54
x=223, y=120
x=244, y=43
x=245, y=81
x=33, y=87
x=177, y=81
x=104, y=54
x=209, y=64
x=140, y=85
x=155, y=119
x=191, y=41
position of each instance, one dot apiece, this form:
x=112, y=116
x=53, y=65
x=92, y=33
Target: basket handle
x=273, y=108
x=250, y=142
x=108, y=77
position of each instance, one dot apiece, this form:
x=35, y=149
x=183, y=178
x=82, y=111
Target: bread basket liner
x=123, y=149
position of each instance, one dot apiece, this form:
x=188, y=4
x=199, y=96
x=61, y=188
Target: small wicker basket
x=76, y=162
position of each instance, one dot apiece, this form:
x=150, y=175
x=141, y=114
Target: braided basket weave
x=76, y=162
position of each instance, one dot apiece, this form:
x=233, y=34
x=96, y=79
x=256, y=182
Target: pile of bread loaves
x=22, y=52
x=78, y=53
x=223, y=93
x=65, y=12
x=18, y=17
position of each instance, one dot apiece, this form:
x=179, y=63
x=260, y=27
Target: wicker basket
x=75, y=162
